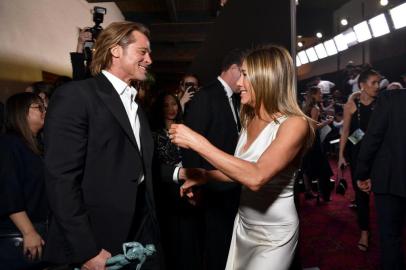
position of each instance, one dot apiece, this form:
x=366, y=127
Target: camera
x=191, y=86
x=98, y=16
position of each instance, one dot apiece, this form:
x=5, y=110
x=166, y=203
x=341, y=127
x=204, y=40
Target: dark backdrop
x=245, y=24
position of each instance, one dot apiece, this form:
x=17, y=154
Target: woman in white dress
x=266, y=159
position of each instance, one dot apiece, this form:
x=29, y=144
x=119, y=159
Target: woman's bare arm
x=276, y=157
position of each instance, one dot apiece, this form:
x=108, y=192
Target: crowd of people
x=206, y=174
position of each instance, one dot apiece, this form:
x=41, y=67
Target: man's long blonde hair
x=117, y=33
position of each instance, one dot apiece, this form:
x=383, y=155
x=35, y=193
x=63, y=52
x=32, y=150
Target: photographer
x=80, y=70
x=188, y=86
x=87, y=37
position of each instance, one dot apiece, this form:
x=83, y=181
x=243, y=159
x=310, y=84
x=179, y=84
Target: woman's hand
x=342, y=163
x=184, y=137
x=186, y=97
x=33, y=243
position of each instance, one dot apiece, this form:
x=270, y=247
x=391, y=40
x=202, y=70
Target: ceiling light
x=350, y=37
x=298, y=63
x=321, y=51
x=330, y=47
x=383, y=2
x=303, y=57
x=340, y=42
x=398, y=16
x=319, y=35
x=311, y=54
x=299, y=36
x=379, y=25
x=300, y=44
x=362, y=31
x=344, y=22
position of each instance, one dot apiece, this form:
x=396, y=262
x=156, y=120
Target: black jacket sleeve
x=373, y=138
x=197, y=118
x=66, y=132
x=79, y=69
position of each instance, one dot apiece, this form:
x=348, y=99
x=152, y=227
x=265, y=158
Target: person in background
x=214, y=113
x=43, y=89
x=23, y=202
x=1, y=117
x=403, y=76
x=394, y=85
x=381, y=169
x=325, y=86
x=80, y=65
x=315, y=162
x=188, y=86
x=170, y=206
x=356, y=115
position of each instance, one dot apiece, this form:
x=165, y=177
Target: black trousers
x=362, y=201
x=145, y=230
x=391, y=212
x=221, y=209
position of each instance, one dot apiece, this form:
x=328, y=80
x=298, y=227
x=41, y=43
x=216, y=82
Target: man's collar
x=228, y=89
x=117, y=83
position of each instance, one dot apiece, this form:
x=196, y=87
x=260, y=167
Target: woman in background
x=315, y=162
x=23, y=203
x=357, y=112
x=177, y=217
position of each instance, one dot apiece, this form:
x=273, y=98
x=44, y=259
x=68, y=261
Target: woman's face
x=170, y=108
x=246, y=90
x=36, y=116
x=317, y=96
x=371, y=86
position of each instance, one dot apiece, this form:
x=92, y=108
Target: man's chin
x=140, y=77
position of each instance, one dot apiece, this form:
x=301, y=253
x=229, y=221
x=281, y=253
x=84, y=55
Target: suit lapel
x=146, y=141
x=108, y=94
x=226, y=105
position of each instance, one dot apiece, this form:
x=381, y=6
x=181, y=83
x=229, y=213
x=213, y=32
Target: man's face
x=132, y=61
x=235, y=74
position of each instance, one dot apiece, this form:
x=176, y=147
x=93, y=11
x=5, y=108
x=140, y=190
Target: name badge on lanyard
x=356, y=136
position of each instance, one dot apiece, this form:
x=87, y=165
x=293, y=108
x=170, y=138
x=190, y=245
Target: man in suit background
x=381, y=166
x=213, y=112
x=98, y=155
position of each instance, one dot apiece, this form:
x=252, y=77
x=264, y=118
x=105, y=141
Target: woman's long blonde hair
x=271, y=72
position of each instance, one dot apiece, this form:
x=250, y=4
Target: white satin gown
x=266, y=227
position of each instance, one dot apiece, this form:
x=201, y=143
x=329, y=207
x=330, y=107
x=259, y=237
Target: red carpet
x=329, y=234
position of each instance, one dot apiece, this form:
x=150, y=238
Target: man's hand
x=33, y=243
x=193, y=177
x=364, y=185
x=98, y=262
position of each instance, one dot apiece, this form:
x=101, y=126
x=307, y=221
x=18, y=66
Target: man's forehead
x=141, y=39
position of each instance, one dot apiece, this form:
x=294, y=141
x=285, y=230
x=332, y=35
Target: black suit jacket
x=93, y=165
x=209, y=113
x=383, y=152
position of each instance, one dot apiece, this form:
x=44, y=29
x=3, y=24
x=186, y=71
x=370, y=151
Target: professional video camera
x=98, y=16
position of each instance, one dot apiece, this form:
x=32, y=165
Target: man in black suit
x=98, y=155
x=381, y=166
x=213, y=112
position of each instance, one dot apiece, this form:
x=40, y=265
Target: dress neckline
x=276, y=121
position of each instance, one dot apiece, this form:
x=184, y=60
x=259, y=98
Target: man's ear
x=233, y=66
x=116, y=51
